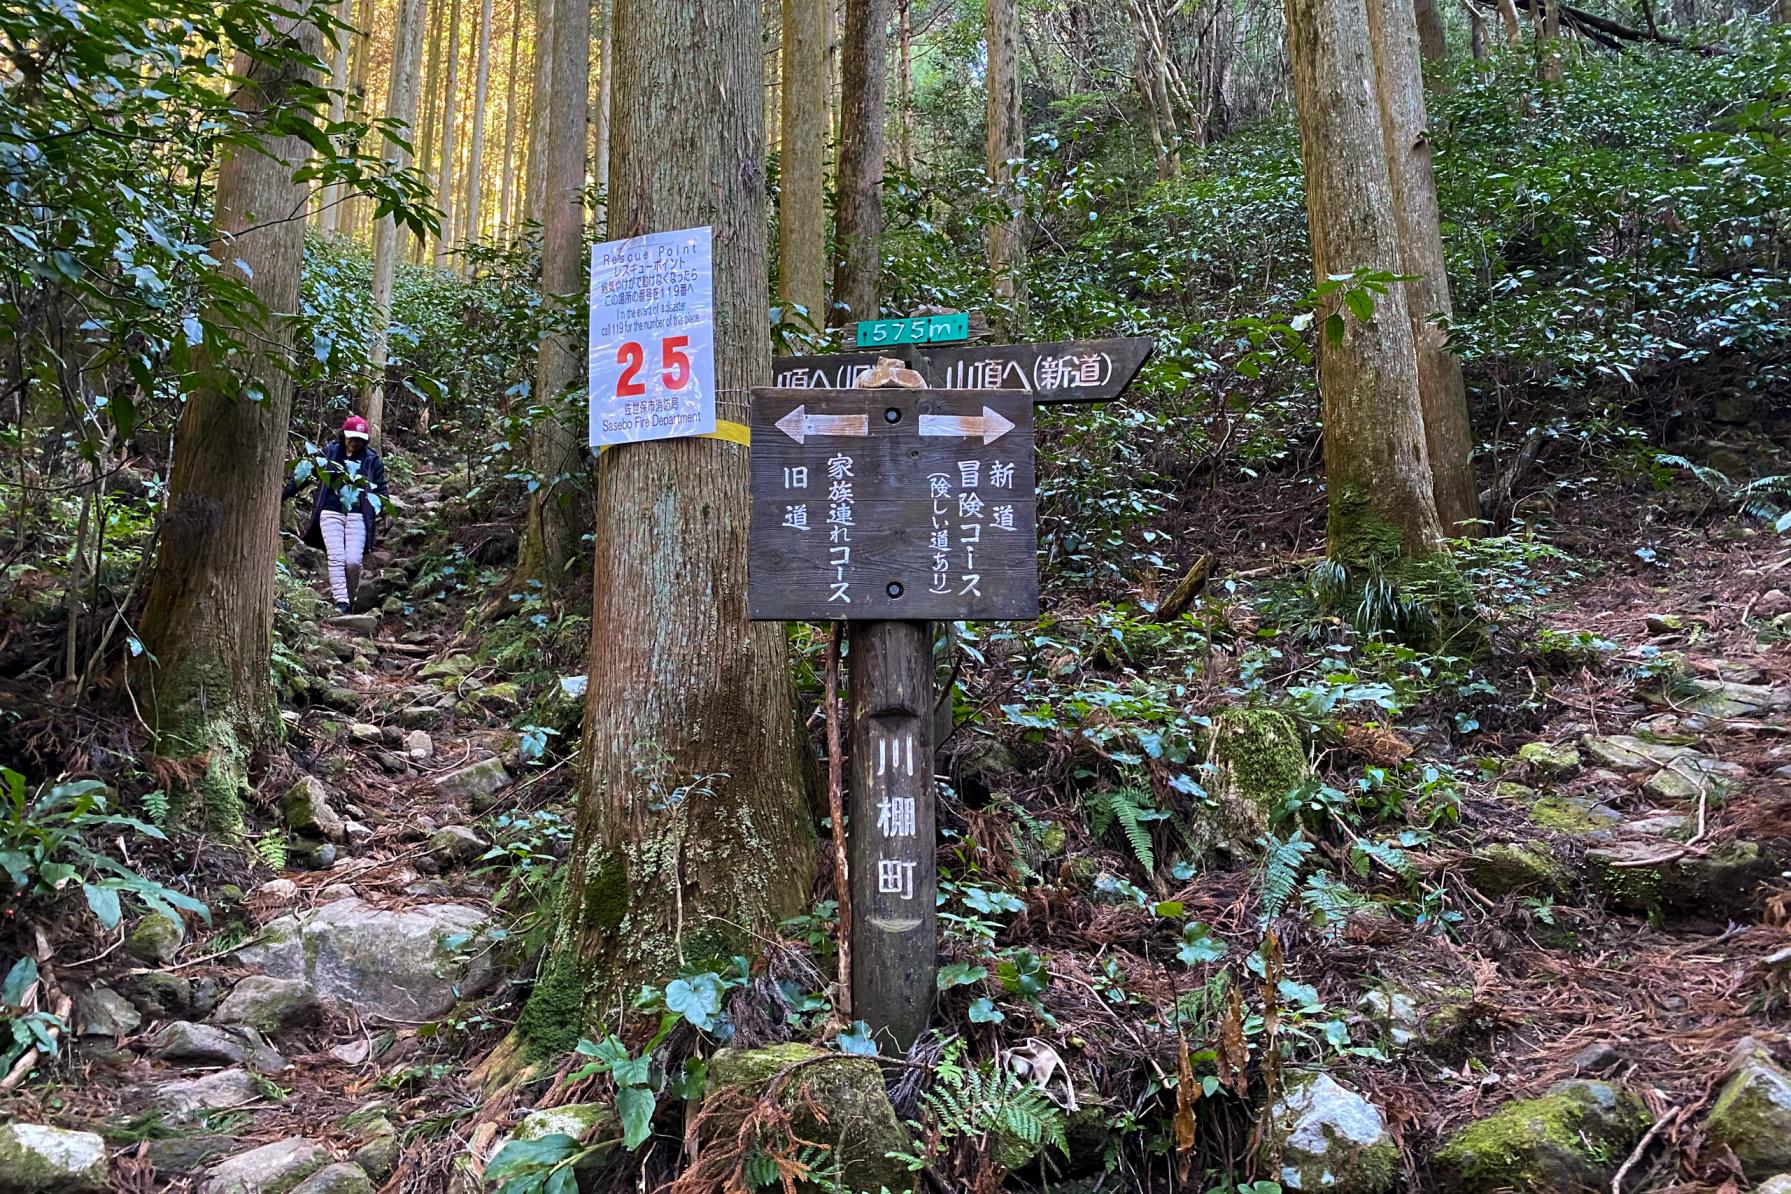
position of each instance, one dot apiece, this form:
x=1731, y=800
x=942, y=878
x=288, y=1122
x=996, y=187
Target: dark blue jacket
x=334, y=475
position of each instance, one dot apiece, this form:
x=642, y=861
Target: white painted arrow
x=991, y=425
x=799, y=424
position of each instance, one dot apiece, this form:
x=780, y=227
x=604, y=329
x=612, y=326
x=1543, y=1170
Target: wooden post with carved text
x=894, y=879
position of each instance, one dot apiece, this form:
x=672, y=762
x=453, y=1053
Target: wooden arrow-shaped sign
x=1068, y=371
x=799, y=424
x=990, y=425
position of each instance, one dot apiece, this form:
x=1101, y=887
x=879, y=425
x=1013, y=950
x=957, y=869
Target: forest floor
x=1611, y=905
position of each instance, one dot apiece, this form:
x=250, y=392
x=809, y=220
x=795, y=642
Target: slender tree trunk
x=353, y=211
x=1781, y=11
x=1400, y=85
x=801, y=210
x=1006, y=149
x=543, y=101
x=475, y=171
x=858, y=188
x=208, y=619
x=506, y=180
x=1514, y=31
x=606, y=68
x=1547, y=14
x=1433, y=42
x=905, y=84
x=329, y=214
x=551, y=536
x=444, y=179
x=430, y=124
x=693, y=836
x=401, y=107
x=1377, y=465
x=1476, y=31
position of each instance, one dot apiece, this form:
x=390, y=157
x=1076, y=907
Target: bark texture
x=507, y=176
x=541, y=97
x=208, y=618
x=693, y=827
x=475, y=170
x=1006, y=147
x=858, y=183
x=1377, y=464
x=550, y=537
x=1399, y=75
x=802, y=160
x=444, y=175
x=401, y=106
x=1433, y=43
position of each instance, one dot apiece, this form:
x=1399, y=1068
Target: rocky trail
x=1589, y=995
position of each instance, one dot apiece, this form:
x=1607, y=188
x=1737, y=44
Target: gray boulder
x=193, y=1097
x=1572, y=1138
x=156, y=940
x=452, y=845
x=186, y=1043
x=160, y=995
x=344, y=1177
x=270, y=1004
x=1325, y=1136
x=419, y=746
x=474, y=785
x=38, y=1159
x=101, y=1011
x=177, y=1156
x=271, y=1169
x=1752, y=1115
x=1780, y=1184
x=395, y=965
x=306, y=807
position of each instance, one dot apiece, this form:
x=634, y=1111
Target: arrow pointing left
x=799, y=424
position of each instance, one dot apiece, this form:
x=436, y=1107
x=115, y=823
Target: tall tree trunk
x=551, y=536
x=693, y=834
x=600, y=122
x=905, y=84
x=1377, y=465
x=1006, y=149
x=208, y=619
x=1514, y=31
x=401, y=107
x=1476, y=31
x=475, y=170
x=1547, y=14
x=542, y=100
x=329, y=213
x=506, y=179
x=430, y=124
x=1433, y=42
x=1400, y=85
x=351, y=221
x=858, y=188
x=801, y=208
x=444, y=178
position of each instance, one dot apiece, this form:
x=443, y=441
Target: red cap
x=355, y=427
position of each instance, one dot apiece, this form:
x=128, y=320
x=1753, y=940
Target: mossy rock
x=1324, y=1136
x=1573, y=815
x=35, y=1159
x=1752, y=1117
x=1260, y=756
x=983, y=767
x=1500, y=869
x=1570, y=1140
x=1725, y=880
x=861, y=1128
x=156, y=940
x=1553, y=760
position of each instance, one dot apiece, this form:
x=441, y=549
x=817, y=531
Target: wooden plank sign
x=919, y=329
x=892, y=505
x=1065, y=371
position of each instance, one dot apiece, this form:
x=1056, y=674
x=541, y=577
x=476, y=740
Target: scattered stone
x=391, y=763
x=101, y=1011
x=419, y=746
x=156, y=940
x=576, y=1120
x=187, y=1043
x=449, y=667
x=1752, y=1115
x=1729, y=669
x=38, y=1159
x=276, y=893
x=475, y=784
x=1722, y=698
x=378, y=1157
x=1395, y=1011
x=331, y=892
x=365, y=732
x=1572, y=1138
x=308, y=855
x=357, y=834
x=177, y=1156
x=1690, y=776
x=1325, y=1136
x=1775, y=1185
x=452, y=845
x=344, y=1177
x=160, y=995
x=1499, y=869
x=1628, y=753
x=1664, y=623
x=271, y=1169
x=356, y=623
x=1550, y=759
x=1724, y=880
x=306, y=807
x=1600, y=1057
x=506, y=694
x=1772, y=603
x=270, y=1004
x=386, y=964
x=861, y=1128
x=192, y=1097
x=1575, y=815
x=1675, y=826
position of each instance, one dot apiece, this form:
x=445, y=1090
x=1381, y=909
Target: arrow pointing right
x=991, y=425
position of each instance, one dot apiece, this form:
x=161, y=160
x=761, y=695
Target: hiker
x=350, y=469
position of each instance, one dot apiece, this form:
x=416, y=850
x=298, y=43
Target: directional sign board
x=919, y=329
x=1066, y=371
x=892, y=505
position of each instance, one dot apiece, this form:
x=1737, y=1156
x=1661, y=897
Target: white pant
x=344, y=538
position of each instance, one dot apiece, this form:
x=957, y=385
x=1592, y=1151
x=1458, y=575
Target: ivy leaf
x=18, y=981
x=857, y=1040
x=961, y=974
x=984, y=1011
x=697, y=999
x=1199, y=945
x=521, y=1156
x=635, y=1106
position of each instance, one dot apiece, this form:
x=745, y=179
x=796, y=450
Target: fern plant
x=271, y=848
x=1132, y=809
x=1282, y=866
x=979, y=1102
x=1765, y=498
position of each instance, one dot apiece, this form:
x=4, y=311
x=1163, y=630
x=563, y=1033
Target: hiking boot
x=342, y=607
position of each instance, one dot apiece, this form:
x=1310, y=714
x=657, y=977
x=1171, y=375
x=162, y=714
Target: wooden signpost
x=888, y=509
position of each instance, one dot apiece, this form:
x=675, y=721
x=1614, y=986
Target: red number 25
x=674, y=366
